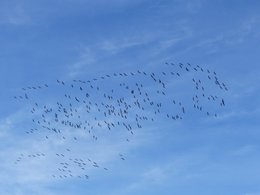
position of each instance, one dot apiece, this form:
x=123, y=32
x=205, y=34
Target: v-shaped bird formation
x=81, y=113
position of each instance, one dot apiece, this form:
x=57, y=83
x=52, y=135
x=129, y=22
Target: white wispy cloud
x=115, y=46
x=87, y=58
x=111, y=48
x=176, y=169
x=245, y=150
x=15, y=15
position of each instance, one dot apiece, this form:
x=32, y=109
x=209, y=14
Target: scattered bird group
x=112, y=102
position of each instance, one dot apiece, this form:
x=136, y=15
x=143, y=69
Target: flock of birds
x=121, y=103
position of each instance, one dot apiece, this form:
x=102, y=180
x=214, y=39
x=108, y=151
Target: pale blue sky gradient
x=45, y=40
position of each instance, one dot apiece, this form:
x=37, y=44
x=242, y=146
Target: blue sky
x=42, y=41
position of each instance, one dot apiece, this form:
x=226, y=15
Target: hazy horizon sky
x=42, y=41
